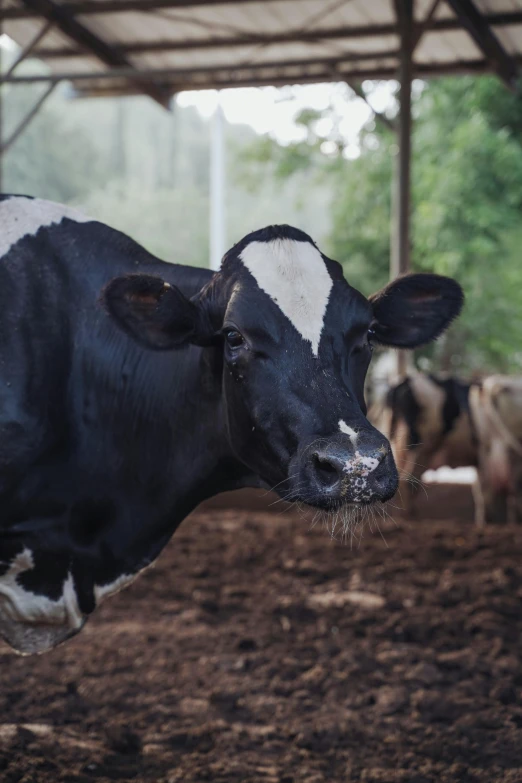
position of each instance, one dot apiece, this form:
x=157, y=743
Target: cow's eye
x=371, y=339
x=234, y=338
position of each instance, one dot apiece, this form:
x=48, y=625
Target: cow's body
x=496, y=410
x=91, y=430
x=426, y=418
x=253, y=377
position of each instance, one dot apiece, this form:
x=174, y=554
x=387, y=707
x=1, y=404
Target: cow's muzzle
x=334, y=474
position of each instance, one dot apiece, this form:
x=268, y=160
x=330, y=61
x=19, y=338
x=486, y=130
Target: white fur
x=359, y=468
x=21, y=217
x=352, y=434
x=361, y=465
x=27, y=607
x=102, y=591
x=295, y=276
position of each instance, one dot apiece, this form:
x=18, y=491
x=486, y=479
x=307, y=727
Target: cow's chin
x=343, y=495
x=329, y=504
x=324, y=501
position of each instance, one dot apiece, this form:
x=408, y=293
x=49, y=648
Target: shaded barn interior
x=260, y=649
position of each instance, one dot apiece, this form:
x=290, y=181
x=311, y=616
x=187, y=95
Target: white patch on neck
x=103, y=591
x=31, y=622
x=295, y=277
x=352, y=434
x=21, y=217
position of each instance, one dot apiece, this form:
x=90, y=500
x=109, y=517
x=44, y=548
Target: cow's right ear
x=156, y=314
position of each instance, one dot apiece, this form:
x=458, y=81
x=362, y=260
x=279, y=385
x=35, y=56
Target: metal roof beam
x=183, y=74
x=220, y=78
x=150, y=47
x=285, y=81
x=114, y=6
x=302, y=36
x=421, y=27
x=86, y=39
x=479, y=29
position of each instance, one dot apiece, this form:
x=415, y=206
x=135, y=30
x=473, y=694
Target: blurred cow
x=496, y=411
x=427, y=420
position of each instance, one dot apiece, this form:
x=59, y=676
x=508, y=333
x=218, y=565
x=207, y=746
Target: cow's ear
x=154, y=313
x=415, y=309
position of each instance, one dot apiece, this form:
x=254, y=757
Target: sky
x=273, y=110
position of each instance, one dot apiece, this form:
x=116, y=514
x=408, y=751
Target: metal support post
x=401, y=202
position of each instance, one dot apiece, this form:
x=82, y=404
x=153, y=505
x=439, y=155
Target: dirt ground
x=261, y=651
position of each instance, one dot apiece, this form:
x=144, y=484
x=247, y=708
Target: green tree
x=50, y=159
x=467, y=201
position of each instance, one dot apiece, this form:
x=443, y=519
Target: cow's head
x=296, y=341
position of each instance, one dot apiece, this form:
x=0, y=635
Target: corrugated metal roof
x=175, y=45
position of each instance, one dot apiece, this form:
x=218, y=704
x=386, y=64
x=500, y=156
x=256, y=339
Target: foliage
x=34, y=165
x=467, y=201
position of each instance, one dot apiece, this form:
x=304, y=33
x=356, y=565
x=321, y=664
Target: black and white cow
x=114, y=427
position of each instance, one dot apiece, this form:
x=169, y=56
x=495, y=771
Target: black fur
x=155, y=314
x=106, y=447
x=415, y=309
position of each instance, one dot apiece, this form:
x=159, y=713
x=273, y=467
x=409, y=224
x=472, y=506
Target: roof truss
x=114, y=6
x=88, y=41
x=480, y=30
x=371, y=59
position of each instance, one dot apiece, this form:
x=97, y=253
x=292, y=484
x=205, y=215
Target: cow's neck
x=161, y=414
x=138, y=444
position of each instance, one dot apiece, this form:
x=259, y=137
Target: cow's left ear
x=415, y=309
x=156, y=314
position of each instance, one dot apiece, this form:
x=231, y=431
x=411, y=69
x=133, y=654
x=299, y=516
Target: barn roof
x=160, y=47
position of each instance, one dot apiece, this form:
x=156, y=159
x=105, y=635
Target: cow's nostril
x=326, y=471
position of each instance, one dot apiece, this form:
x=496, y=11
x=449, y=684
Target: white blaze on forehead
x=295, y=276
x=21, y=216
x=352, y=434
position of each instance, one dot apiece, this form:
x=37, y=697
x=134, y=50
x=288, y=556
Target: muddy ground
x=258, y=650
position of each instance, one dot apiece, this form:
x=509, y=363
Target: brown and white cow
x=496, y=411
x=426, y=418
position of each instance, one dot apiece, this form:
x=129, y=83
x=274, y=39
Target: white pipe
x=217, y=188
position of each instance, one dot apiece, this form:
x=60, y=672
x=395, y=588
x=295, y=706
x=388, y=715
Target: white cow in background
x=496, y=411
